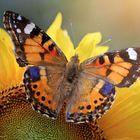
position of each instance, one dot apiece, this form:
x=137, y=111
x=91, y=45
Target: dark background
x=118, y=20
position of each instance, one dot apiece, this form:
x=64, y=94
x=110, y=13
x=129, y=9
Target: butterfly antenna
x=73, y=33
x=105, y=42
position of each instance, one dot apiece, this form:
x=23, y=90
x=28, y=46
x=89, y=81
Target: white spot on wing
x=29, y=27
x=18, y=31
x=132, y=53
x=19, y=18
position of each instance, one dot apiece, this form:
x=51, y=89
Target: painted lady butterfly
x=87, y=88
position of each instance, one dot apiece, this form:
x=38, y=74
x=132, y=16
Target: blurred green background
x=118, y=20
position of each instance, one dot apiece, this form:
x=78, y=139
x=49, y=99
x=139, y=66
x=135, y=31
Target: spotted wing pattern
x=121, y=68
x=43, y=90
x=95, y=90
x=93, y=98
x=32, y=45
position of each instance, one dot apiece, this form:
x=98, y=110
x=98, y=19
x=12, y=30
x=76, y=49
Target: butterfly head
x=75, y=58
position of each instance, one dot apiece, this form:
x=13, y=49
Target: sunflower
x=19, y=121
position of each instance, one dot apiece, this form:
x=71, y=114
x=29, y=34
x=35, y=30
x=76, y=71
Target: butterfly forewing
x=32, y=45
x=121, y=68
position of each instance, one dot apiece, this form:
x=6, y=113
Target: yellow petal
x=55, y=26
x=61, y=37
x=100, y=50
x=10, y=72
x=123, y=119
x=86, y=47
x=64, y=42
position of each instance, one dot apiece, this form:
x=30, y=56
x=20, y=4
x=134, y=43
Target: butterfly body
x=87, y=88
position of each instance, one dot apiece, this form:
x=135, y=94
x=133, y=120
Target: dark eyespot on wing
x=30, y=41
x=101, y=60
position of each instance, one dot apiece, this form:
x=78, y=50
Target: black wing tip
x=7, y=15
x=9, y=12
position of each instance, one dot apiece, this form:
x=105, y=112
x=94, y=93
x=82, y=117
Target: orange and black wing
x=121, y=68
x=43, y=89
x=92, y=97
x=94, y=92
x=32, y=45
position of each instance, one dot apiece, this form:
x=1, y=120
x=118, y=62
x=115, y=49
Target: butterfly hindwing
x=32, y=45
x=121, y=68
x=43, y=91
x=93, y=98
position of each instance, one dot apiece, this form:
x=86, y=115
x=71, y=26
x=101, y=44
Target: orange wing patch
x=41, y=90
x=126, y=65
x=87, y=107
x=115, y=78
x=113, y=68
x=38, y=38
x=118, y=59
x=120, y=70
x=89, y=103
x=32, y=45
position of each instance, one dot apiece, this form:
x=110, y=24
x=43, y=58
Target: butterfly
x=87, y=88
